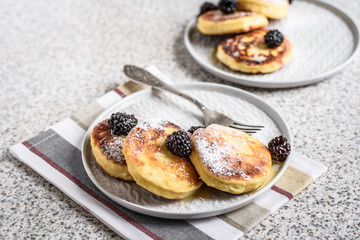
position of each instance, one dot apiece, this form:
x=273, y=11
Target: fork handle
x=142, y=76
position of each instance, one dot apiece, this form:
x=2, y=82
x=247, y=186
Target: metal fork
x=210, y=116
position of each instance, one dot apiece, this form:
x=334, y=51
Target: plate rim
x=246, y=96
x=349, y=20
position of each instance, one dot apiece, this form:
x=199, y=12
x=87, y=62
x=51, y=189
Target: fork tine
x=248, y=132
x=245, y=125
x=246, y=129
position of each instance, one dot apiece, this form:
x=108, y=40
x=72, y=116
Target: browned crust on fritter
x=244, y=56
x=139, y=137
x=101, y=135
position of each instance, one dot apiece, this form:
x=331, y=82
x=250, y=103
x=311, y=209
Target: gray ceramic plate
x=238, y=104
x=325, y=40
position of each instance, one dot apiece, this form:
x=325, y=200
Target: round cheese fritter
x=153, y=166
x=230, y=160
x=107, y=150
x=248, y=53
x=217, y=23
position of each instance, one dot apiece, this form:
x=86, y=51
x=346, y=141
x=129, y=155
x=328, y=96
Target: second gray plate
x=324, y=38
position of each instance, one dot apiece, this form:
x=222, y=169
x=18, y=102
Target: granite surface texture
x=57, y=56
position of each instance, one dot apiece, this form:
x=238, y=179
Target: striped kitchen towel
x=56, y=155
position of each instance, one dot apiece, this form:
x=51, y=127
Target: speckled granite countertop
x=57, y=56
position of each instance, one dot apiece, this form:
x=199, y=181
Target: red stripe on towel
x=90, y=192
x=282, y=192
x=120, y=92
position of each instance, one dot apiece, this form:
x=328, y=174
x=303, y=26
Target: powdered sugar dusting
x=142, y=131
x=236, y=54
x=151, y=123
x=113, y=149
x=258, y=58
x=219, y=155
x=147, y=124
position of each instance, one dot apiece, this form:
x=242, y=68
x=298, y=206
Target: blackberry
x=122, y=123
x=279, y=148
x=273, y=38
x=194, y=128
x=207, y=6
x=179, y=143
x=228, y=6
